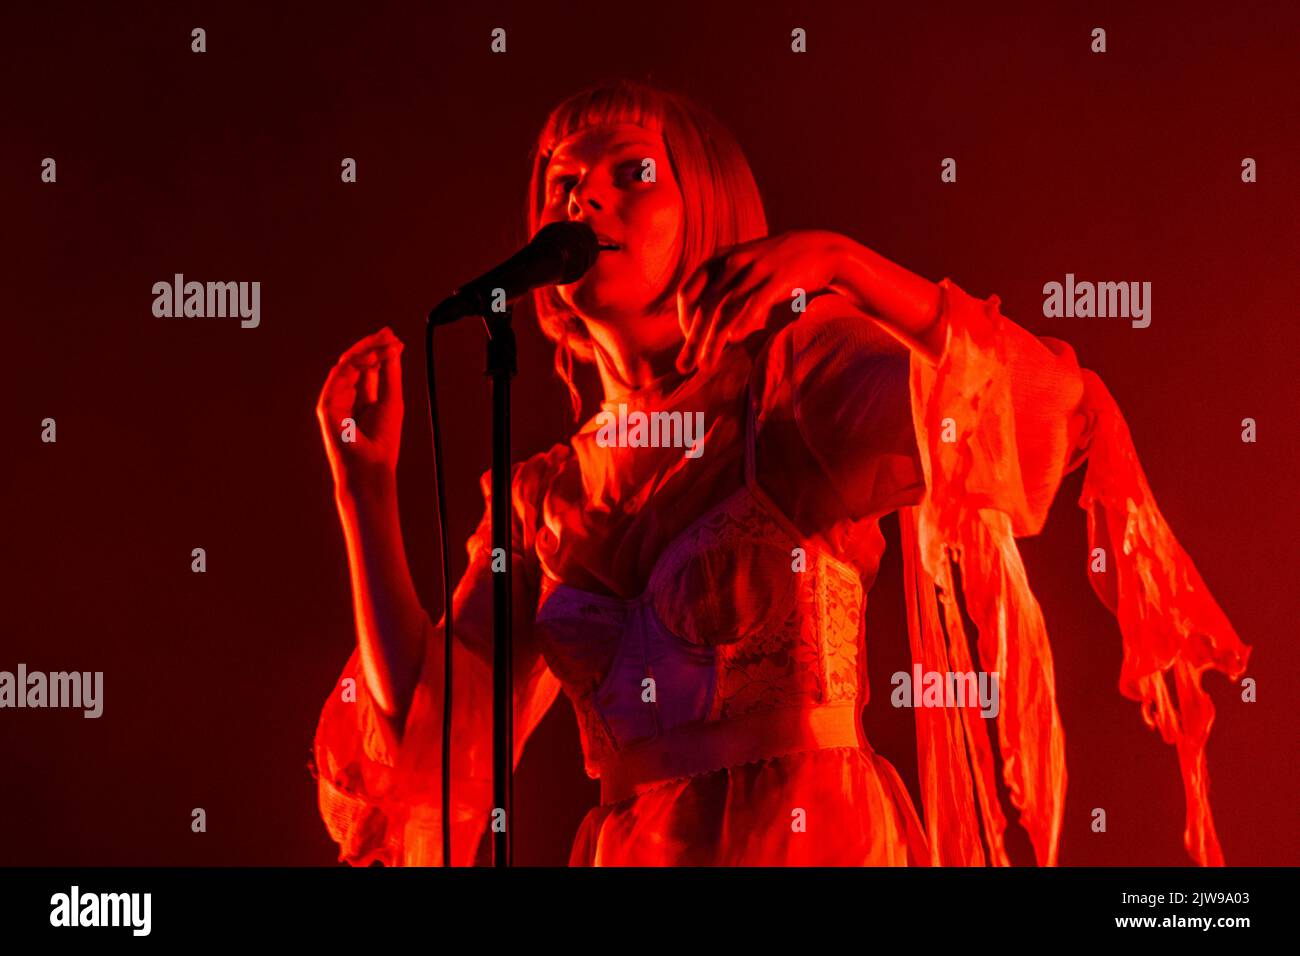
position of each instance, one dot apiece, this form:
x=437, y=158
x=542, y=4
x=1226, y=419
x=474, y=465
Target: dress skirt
x=838, y=806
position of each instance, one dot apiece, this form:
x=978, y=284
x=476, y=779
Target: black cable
x=447, y=595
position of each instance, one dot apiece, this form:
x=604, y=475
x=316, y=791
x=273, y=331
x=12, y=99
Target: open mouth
x=606, y=245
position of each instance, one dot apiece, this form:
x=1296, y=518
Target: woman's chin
x=599, y=304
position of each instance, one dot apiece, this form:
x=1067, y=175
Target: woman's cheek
x=661, y=252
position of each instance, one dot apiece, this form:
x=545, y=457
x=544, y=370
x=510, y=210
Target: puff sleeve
x=848, y=396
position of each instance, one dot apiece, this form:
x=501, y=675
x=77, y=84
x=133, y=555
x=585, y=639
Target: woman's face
x=595, y=176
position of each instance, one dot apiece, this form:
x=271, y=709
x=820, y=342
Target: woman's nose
x=578, y=200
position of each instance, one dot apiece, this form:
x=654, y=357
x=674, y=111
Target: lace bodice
x=740, y=616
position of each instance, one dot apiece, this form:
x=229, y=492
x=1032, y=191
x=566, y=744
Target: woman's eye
x=626, y=173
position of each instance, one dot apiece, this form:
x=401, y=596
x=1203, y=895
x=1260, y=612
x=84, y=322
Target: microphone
x=559, y=253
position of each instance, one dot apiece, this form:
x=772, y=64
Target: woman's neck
x=626, y=365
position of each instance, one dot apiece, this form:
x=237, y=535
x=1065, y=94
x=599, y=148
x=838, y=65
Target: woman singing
x=701, y=602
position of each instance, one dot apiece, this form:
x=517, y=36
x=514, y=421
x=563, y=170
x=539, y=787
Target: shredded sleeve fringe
x=1001, y=418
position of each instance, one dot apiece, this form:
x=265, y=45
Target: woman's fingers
x=368, y=388
x=706, y=316
x=739, y=313
x=704, y=341
x=687, y=314
x=390, y=376
x=704, y=278
x=340, y=384
x=353, y=381
x=383, y=337
x=374, y=356
x=335, y=394
x=375, y=368
x=347, y=373
x=763, y=308
x=683, y=312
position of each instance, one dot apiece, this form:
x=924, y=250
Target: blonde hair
x=721, y=203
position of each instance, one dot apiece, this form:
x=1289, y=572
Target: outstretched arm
x=999, y=415
x=739, y=292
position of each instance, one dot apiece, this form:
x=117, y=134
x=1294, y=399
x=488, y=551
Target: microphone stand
x=559, y=252
x=501, y=367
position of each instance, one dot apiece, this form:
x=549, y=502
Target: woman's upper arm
x=997, y=417
x=849, y=399
x=472, y=633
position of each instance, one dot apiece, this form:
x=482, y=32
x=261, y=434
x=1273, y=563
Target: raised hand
x=365, y=387
x=733, y=294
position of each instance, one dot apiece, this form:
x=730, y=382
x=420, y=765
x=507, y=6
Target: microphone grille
x=576, y=244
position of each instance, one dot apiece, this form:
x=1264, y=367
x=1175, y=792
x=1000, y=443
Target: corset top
x=740, y=614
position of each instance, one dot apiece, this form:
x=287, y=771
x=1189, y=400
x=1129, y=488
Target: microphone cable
x=441, y=491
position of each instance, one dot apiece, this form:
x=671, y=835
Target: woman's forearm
x=391, y=623
x=904, y=303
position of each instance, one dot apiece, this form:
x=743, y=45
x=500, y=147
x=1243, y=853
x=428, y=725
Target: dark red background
x=176, y=434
